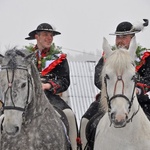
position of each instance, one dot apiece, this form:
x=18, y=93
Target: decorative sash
x=51, y=64
x=142, y=62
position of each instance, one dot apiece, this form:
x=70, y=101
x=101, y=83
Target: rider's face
x=123, y=41
x=44, y=39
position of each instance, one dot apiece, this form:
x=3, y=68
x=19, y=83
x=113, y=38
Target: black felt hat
x=42, y=27
x=125, y=28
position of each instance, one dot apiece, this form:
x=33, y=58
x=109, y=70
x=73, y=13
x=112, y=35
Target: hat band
x=45, y=30
x=124, y=33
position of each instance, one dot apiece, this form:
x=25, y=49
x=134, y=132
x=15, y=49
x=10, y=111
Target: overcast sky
x=83, y=23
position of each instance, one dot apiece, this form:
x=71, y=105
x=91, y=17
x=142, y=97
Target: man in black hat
x=124, y=33
x=54, y=70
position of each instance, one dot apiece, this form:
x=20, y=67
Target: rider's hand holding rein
x=46, y=86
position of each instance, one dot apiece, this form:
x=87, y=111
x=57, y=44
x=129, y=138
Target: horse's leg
x=73, y=129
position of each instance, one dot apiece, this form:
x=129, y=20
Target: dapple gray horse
x=30, y=121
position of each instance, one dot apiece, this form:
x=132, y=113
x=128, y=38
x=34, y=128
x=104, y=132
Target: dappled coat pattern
x=38, y=126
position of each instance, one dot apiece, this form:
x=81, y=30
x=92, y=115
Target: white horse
x=124, y=125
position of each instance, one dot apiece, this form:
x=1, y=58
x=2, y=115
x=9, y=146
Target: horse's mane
x=119, y=61
x=36, y=78
x=11, y=54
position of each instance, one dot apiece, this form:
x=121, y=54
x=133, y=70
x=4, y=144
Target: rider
x=54, y=70
x=124, y=33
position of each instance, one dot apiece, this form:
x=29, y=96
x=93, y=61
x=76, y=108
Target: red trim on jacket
x=54, y=86
x=143, y=87
x=142, y=62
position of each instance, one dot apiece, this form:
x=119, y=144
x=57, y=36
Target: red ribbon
x=53, y=64
x=146, y=54
x=143, y=86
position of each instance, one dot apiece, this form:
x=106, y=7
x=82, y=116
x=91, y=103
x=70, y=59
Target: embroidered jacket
x=53, y=68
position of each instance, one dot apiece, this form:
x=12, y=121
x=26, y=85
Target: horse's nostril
x=112, y=115
x=126, y=116
x=17, y=129
x=13, y=131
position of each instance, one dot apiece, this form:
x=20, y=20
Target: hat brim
x=34, y=32
x=30, y=38
x=124, y=33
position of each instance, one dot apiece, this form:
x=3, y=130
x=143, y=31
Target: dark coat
x=97, y=75
x=58, y=77
x=60, y=81
x=144, y=77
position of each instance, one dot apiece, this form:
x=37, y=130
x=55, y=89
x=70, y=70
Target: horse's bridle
x=130, y=101
x=24, y=110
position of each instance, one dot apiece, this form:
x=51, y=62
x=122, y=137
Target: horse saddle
x=63, y=118
x=66, y=125
x=91, y=129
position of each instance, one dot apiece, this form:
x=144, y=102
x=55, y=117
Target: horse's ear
x=133, y=47
x=106, y=48
x=30, y=56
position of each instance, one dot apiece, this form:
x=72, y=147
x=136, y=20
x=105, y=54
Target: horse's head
x=16, y=89
x=118, y=77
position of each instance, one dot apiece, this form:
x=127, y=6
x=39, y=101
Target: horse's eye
x=107, y=77
x=23, y=85
x=134, y=78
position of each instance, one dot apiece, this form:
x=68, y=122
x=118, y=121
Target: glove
x=138, y=91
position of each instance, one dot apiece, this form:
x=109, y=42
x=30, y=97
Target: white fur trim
x=138, y=26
